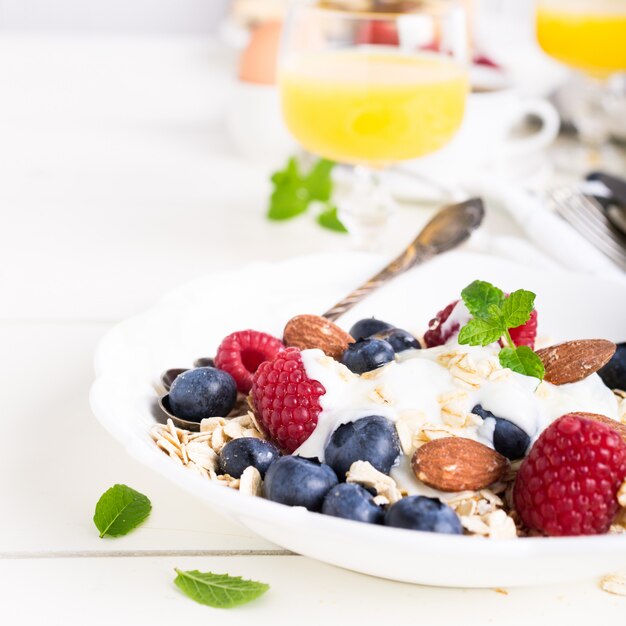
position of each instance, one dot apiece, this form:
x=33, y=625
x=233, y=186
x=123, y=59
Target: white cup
x=487, y=137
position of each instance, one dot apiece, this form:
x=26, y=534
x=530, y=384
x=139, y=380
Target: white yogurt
x=419, y=384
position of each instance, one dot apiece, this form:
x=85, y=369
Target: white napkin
x=556, y=243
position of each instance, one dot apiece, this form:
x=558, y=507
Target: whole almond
x=572, y=361
x=313, y=331
x=458, y=464
x=618, y=427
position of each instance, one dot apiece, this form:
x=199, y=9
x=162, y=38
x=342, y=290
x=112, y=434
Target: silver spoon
x=449, y=228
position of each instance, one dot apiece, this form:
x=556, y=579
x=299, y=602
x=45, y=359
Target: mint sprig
x=522, y=360
x=295, y=190
x=494, y=315
x=119, y=510
x=220, y=591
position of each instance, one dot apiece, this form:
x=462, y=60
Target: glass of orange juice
x=370, y=84
x=590, y=37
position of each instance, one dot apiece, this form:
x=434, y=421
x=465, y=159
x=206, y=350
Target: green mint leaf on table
x=294, y=191
x=220, y=591
x=518, y=307
x=328, y=219
x=480, y=332
x=120, y=510
x=523, y=361
x=290, y=197
x=318, y=180
x=479, y=296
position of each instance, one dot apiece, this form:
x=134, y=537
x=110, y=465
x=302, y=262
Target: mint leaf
x=294, y=190
x=328, y=219
x=517, y=308
x=318, y=181
x=479, y=296
x=290, y=196
x=218, y=590
x=119, y=510
x=480, y=332
x=523, y=361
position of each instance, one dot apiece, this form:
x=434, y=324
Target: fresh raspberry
x=241, y=353
x=526, y=334
x=436, y=335
x=286, y=400
x=568, y=483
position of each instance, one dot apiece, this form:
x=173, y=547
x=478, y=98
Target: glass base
x=364, y=206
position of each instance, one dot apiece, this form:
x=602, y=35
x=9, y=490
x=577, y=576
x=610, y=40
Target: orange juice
x=586, y=35
x=371, y=106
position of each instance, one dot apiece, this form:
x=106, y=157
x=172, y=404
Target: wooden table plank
x=137, y=590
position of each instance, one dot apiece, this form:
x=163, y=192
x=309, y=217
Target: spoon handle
x=414, y=254
x=451, y=226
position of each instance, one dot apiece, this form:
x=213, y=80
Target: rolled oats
x=365, y=474
x=203, y=455
x=614, y=583
x=250, y=481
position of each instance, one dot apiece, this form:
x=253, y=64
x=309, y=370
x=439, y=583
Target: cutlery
x=449, y=228
x=588, y=217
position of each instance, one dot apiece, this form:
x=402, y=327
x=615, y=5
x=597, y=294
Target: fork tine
x=597, y=228
x=594, y=212
x=587, y=218
x=592, y=215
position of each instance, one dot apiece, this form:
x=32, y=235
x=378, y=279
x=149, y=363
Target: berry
x=241, y=453
x=372, y=438
x=614, y=372
x=366, y=355
x=352, y=501
x=367, y=327
x=297, y=481
x=400, y=340
x=422, y=513
x=526, y=334
x=286, y=400
x=241, y=353
x=202, y=392
x=437, y=333
x=567, y=484
x=508, y=438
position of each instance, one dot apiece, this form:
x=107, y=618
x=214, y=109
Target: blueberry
x=351, y=501
x=372, y=438
x=202, y=392
x=399, y=339
x=240, y=453
x=365, y=355
x=297, y=481
x=508, y=439
x=614, y=372
x=422, y=513
x=368, y=327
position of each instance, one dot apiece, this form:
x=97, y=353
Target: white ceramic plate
x=191, y=321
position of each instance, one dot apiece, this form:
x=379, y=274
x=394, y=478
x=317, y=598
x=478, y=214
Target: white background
x=111, y=16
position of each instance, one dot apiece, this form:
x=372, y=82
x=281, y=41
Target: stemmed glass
x=373, y=87
x=590, y=37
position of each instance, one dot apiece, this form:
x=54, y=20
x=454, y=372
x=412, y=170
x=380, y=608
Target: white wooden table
x=116, y=184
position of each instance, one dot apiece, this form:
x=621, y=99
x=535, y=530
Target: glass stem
x=364, y=206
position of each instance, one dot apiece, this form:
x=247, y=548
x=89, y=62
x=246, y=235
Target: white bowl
x=190, y=322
